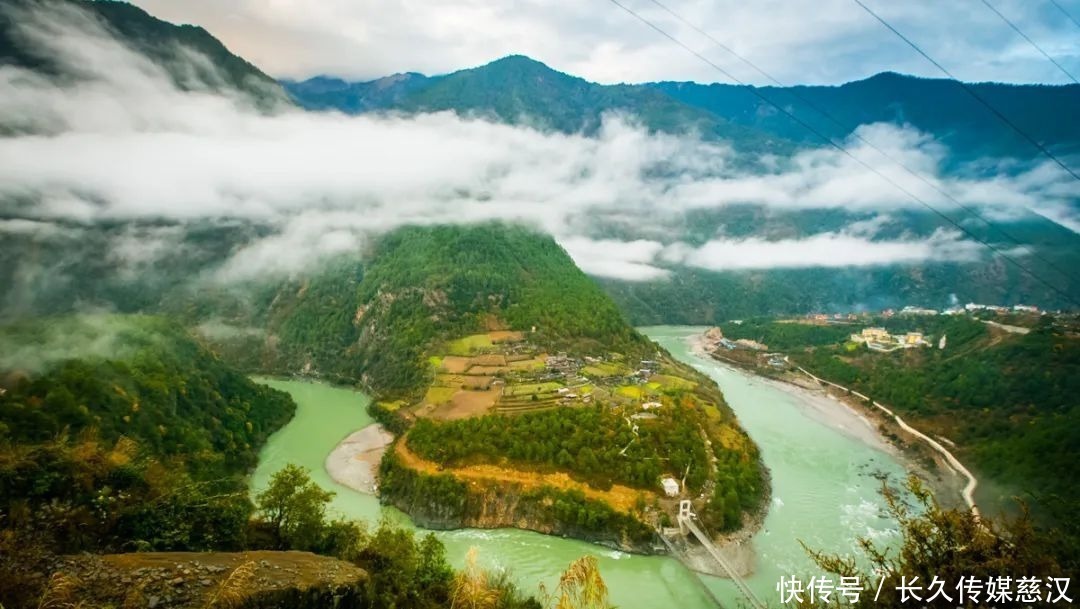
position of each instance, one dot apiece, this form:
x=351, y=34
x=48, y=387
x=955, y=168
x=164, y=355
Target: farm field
x=501, y=372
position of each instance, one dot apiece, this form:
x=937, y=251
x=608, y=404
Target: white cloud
x=123, y=143
x=629, y=261
x=827, y=41
x=821, y=250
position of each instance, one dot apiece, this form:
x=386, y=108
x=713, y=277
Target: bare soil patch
x=456, y=364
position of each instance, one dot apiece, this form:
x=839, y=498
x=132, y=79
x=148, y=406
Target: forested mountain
x=141, y=378
x=188, y=54
x=428, y=283
x=135, y=431
x=520, y=90
x=936, y=106
x=975, y=144
x=120, y=433
x=328, y=93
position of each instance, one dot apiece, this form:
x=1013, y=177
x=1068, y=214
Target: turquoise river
x=823, y=492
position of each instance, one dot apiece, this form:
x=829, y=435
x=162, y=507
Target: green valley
x=560, y=386
x=1004, y=400
x=296, y=336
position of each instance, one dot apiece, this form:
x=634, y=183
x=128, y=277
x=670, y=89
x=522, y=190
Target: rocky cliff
x=249, y=580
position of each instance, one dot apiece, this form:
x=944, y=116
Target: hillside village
x=643, y=436
x=746, y=345
x=501, y=372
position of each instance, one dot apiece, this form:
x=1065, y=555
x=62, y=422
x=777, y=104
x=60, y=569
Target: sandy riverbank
x=355, y=460
x=815, y=403
x=951, y=478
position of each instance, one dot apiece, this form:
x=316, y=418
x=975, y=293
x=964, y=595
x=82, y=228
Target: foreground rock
x=158, y=580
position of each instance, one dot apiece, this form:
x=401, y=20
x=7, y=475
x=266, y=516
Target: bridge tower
x=685, y=514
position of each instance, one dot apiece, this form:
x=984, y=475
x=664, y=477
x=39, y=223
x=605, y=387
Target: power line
x=794, y=93
x=970, y=91
x=1065, y=12
x=1030, y=41
x=844, y=151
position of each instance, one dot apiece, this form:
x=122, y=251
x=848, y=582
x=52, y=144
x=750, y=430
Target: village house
x=909, y=310
x=671, y=486
x=913, y=339
x=869, y=335
x=746, y=343
x=878, y=339
x=777, y=360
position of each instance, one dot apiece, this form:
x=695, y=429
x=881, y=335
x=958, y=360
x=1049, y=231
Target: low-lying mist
x=115, y=139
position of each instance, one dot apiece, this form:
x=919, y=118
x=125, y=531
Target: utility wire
x=848, y=128
x=844, y=151
x=1065, y=12
x=970, y=91
x=1030, y=41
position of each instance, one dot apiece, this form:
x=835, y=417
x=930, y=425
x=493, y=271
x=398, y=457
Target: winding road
x=972, y=482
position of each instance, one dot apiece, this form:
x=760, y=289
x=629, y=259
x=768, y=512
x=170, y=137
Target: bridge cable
x=844, y=151
x=971, y=92
x=1073, y=280
x=1030, y=41
x=1065, y=12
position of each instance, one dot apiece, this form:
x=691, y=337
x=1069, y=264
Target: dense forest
x=123, y=433
x=142, y=378
x=443, y=501
x=425, y=284
x=583, y=441
x=602, y=446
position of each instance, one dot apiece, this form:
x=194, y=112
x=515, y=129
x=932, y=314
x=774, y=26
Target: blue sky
x=798, y=41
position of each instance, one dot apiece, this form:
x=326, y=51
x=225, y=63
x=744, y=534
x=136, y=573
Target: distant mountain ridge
x=166, y=44
x=940, y=107
x=519, y=89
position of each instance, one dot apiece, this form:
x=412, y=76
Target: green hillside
x=434, y=283
x=936, y=106
x=520, y=90
x=517, y=89
x=168, y=45
x=141, y=378
x=1007, y=400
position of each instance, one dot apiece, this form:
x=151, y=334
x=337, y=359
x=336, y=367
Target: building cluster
x=879, y=339
x=972, y=307
x=912, y=310
x=824, y=318
x=742, y=343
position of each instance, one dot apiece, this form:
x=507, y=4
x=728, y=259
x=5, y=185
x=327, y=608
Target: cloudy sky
x=797, y=41
x=122, y=142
